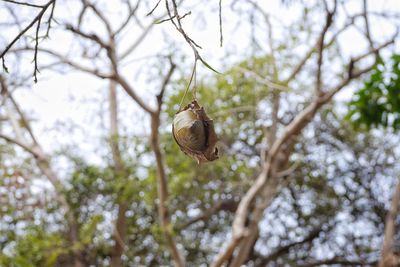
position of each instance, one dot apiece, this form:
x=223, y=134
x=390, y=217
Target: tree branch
x=23, y=3
x=162, y=177
x=63, y=59
x=320, y=47
x=131, y=13
x=285, y=249
x=131, y=92
x=89, y=36
x=100, y=15
x=227, y=205
x=390, y=231
x=37, y=20
x=120, y=173
x=19, y=143
x=339, y=261
x=272, y=163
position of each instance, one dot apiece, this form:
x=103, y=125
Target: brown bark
x=120, y=223
x=162, y=177
x=388, y=259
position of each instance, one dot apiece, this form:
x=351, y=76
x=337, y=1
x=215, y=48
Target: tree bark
x=166, y=228
x=388, y=259
x=120, y=223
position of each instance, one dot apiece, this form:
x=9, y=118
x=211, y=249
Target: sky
x=70, y=108
x=63, y=99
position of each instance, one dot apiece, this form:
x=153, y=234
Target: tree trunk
x=120, y=224
x=388, y=259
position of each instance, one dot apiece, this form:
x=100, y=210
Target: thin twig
x=23, y=3
x=366, y=20
x=131, y=13
x=154, y=8
x=221, y=38
x=329, y=19
x=50, y=19
x=37, y=19
x=188, y=86
x=36, y=51
x=178, y=25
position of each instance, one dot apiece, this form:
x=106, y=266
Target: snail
x=194, y=132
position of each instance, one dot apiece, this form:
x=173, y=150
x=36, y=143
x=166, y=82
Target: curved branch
x=21, y=144
x=227, y=205
x=162, y=177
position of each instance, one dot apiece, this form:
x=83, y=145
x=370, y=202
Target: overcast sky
x=72, y=97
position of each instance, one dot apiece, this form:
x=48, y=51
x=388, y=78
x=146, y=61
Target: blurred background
x=90, y=174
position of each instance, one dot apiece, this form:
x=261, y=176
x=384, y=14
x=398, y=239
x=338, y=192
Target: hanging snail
x=194, y=132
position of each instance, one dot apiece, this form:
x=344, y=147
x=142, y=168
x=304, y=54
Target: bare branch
x=320, y=46
x=314, y=233
x=49, y=20
x=19, y=143
x=162, y=177
x=100, y=15
x=339, y=261
x=131, y=92
x=176, y=21
x=131, y=13
x=366, y=21
x=65, y=60
x=138, y=41
x=23, y=3
x=92, y=37
x=154, y=8
x=7, y=94
x=229, y=205
x=165, y=82
x=35, y=70
x=37, y=20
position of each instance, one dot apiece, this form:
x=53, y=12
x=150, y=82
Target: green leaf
x=208, y=66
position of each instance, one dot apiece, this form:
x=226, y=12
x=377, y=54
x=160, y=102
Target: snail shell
x=190, y=131
x=194, y=132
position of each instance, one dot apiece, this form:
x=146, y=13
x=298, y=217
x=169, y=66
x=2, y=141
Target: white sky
x=60, y=99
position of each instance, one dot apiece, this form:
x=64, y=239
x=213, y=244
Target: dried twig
x=320, y=47
x=37, y=20
x=23, y=3
x=175, y=19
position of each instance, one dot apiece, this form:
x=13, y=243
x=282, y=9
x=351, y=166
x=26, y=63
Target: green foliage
x=88, y=230
x=239, y=102
x=38, y=247
x=378, y=102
